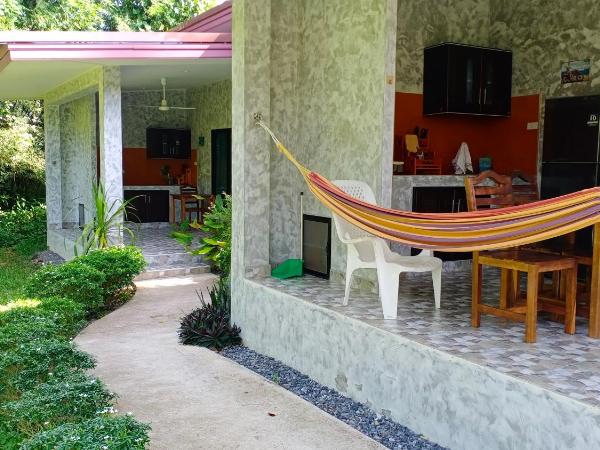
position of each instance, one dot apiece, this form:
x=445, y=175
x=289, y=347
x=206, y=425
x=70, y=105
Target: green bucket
x=288, y=269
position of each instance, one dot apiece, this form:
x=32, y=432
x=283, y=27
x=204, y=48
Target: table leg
x=476, y=291
x=569, y=279
x=594, y=327
x=504, y=287
x=182, y=218
x=532, y=310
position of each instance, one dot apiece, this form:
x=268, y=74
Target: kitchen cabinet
x=147, y=205
x=168, y=143
x=464, y=79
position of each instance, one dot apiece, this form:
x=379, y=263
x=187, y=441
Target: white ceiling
x=32, y=79
x=178, y=75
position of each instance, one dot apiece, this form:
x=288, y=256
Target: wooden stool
x=533, y=264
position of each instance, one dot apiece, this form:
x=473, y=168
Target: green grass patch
x=15, y=269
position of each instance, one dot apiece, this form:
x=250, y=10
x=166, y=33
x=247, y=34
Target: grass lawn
x=14, y=270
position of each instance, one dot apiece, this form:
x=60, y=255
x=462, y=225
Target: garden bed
x=47, y=398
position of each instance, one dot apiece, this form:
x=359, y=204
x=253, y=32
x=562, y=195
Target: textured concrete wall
x=451, y=401
x=78, y=157
x=544, y=33
x=213, y=111
x=330, y=105
x=136, y=118
x=427, y=22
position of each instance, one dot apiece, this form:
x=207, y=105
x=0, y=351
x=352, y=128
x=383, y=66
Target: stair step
x=173, y=259
x=172, y=271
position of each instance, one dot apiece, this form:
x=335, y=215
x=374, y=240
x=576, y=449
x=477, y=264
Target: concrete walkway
x=193, y=397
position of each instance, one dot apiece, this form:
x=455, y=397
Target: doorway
x=221, y=161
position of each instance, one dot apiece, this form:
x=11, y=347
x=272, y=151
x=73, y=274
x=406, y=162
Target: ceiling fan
x=164, y=105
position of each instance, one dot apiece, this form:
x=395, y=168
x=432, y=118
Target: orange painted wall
x=141, y=171
x=506, y=140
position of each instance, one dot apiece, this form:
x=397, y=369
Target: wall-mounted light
x=201, y=141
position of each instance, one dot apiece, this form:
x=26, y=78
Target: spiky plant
x=210, y=325
x=107, y=223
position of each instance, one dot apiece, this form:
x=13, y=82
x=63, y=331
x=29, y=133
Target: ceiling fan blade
x=180, y=107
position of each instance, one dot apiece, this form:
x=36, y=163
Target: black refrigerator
x=571, y=150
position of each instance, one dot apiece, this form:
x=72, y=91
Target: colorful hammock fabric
x=457, y=232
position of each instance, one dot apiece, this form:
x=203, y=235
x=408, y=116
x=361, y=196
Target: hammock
x=457, y=232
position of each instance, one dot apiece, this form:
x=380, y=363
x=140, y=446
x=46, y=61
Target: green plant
x=35, y=362
x=72, y=280
x=68, y=313
x=101, y=433
x=107, y=223
x=71, y=399
x=210, y=325
x=14, y=270
x=23, y=223
x=119, y=265
x=217, y=245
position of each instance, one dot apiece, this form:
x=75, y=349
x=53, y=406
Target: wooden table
x=533, y=264
x=594, y=326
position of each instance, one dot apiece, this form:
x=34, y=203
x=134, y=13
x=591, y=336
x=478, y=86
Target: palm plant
x=103, y=231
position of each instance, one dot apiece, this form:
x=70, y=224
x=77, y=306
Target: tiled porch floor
x=562, y=363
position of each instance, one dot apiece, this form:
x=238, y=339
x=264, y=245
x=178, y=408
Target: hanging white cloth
x=462, y=161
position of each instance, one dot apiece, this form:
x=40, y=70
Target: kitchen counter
x=402, y=186
x=175, y=189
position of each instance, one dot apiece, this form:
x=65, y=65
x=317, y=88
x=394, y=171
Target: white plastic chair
x=366, y=251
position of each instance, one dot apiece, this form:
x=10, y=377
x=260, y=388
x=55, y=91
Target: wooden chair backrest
x=525, y=188
x=488, y=190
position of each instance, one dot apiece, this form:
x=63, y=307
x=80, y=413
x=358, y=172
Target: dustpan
x=291, y=268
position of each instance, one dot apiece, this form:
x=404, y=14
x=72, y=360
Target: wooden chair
x=525, y=190
x=491, y=190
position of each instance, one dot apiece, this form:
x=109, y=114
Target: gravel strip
x=357, y=415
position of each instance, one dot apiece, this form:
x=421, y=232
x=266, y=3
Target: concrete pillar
x=53, y=166
x=251, y=145
x=111, y=143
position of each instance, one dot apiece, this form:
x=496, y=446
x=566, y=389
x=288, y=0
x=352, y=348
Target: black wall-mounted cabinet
x=147, y=205
x=168, y=143
x=464, y=79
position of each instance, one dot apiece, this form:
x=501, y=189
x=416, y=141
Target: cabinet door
x=435, y=80
x=464, y=79
x=180, y=144
x=496, y=72
x=137, y=210
x=158, y=206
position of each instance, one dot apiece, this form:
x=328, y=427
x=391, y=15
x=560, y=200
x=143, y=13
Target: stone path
x=193, y=397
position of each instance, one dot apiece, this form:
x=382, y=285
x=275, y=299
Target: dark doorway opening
x=221, y=161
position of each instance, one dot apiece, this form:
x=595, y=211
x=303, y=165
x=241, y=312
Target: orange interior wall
x=506, y=140
x=141, y=171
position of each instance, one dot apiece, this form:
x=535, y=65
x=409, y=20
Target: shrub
x=68, y=314
x=119, y=265
x=106, y=432
x=24, y=321
x=36, y=362
x=210, y=325
x=72, y=280
x=217, y=245
x=71, y=399
x=24, y=224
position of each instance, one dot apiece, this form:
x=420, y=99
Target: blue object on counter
x=485, y=163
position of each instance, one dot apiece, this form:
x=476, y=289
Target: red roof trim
x=215, y=19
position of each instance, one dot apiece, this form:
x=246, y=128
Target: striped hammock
x=457, y=232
